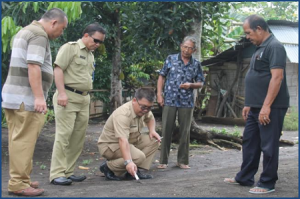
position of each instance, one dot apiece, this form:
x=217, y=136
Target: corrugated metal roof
x=292, y=52
x=288, y=36
x=285, y=34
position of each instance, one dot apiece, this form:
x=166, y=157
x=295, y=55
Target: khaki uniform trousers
x=24, y=128
x=70, y=129
x=142, y=154
x=168, y=123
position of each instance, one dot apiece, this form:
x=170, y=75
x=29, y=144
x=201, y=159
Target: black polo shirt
x=269, y=55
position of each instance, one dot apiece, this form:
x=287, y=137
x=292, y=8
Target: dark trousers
x=259, y=138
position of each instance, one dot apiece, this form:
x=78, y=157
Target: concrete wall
x=293, y=83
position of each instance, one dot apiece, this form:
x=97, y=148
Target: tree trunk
x=197, y=32
x=116, y=86
x=218, y=140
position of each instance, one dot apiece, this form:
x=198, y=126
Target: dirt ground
x=209, y=166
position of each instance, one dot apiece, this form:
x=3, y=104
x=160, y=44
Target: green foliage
x=291, y=120
x=224, y=131
x=50, y=116
x=159, y=25
x=3, y=119
x=216, y=19
x=102, y=76
x=214, y=130
x=9, y=29
x=43, y=167
x=141, y=74
x=194, y=142
x=236, y=132
x=281, y=10
x=87, y=162
x=72, y=9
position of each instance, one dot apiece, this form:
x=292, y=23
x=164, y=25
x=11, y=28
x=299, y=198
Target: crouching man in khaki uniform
x=122, y=143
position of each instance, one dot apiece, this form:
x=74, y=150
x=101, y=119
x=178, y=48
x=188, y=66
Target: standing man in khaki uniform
x=123, y=144
x=74, y=66
x=24, y=95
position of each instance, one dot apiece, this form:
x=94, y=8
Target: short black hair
x=92, y=28
x=255, y=20
x=55, y=13
x=146, y=93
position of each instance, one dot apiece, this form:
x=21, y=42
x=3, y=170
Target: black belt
x=76, y=91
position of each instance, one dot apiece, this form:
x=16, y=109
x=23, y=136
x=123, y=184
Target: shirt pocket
x=261, y=65
x=133, y=128
x=80, y=61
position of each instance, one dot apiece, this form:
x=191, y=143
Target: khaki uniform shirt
x=77, y=63
x=123, y=123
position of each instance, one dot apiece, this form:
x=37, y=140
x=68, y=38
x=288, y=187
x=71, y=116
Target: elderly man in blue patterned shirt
x=180, y=75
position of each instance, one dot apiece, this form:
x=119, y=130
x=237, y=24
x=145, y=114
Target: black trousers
x=259, y=138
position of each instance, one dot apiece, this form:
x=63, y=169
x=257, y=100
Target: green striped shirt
x=30, y=46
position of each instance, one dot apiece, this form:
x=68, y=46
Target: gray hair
x=190, y=38
x=146, y=93
x=55, y=13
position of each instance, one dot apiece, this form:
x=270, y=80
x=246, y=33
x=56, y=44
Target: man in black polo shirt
x=266, y=103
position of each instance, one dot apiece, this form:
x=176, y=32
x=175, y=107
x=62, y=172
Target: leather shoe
x=27, y=192
x=142, y=176
x=77, y=178
x=108, y=173
x=61, y=181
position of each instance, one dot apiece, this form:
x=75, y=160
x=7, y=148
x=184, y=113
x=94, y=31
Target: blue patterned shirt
x=177, y=73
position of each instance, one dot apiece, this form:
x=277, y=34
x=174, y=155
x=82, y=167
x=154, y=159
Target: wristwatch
x=127, y=162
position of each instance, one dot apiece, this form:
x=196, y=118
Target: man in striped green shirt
x=24, y=95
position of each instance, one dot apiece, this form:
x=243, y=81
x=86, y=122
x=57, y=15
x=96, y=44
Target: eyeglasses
x=189, y=48
x=97, y=41
x=143, y=107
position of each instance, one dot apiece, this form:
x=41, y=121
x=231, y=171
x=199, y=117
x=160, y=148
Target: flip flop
x=162, y=166
x=231, y=181
x=262, y=190
x=183, y=166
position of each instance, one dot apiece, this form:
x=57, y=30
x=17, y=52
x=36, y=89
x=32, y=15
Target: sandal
x=162, y=166
x=183, y=166
x=231, y=181
x=261, y=190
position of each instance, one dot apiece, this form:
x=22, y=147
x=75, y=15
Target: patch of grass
x=43, y=167
x=214, y=130
x=194, y=142
x=291, y=120
x=224, y=131
x=87, y=162
x=236, y=132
